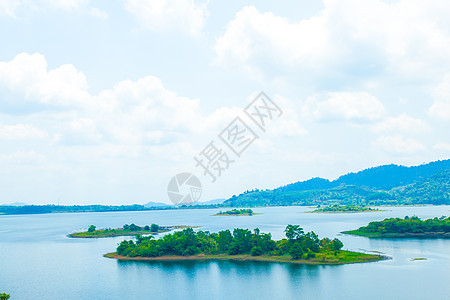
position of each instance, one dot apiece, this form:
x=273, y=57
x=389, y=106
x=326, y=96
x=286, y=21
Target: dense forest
x=408, y=225
x=297, y=244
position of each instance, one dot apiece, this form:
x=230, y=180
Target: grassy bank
x=325, y=258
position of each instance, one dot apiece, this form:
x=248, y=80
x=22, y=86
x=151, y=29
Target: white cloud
x=8, y=7
x=349, y=37
x=399, y=144
x=442, y=146
x=13, y=8
x=402, y=123
x=28, y=74
x=289, y=123
x=65, y=4
x=79, y=131
x=132, y=112
x=441, y=95
x=344, y=106
x=163, y=15
x=95, y=12
x=23, y=158
x=252, y=33
x=21, y=132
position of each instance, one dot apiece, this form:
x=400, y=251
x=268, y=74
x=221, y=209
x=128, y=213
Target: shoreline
x=424, y=235
x=344, y=212
x=106, y=234
x=235, y=215
x=360, y=258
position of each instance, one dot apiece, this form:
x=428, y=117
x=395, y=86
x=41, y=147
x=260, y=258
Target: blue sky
x=104, y=101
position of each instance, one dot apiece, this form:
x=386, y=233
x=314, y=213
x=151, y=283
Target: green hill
x=390, y=184
x=433, y=190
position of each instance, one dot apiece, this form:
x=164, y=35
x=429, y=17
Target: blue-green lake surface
x=38, y=260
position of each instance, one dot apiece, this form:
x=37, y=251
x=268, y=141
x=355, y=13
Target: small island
x=412, y=227
x=344, y=209
x=126, y=230
x=236, y=212
x=241, y=244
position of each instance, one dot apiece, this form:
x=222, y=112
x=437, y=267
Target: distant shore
x=103, y=233
x=236, y=215
x=344, y=257
x=342, y=212
x=445, y=235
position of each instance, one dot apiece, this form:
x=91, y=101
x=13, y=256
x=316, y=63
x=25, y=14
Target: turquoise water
x=38, y=261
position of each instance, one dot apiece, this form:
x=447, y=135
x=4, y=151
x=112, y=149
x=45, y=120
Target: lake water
x=38, y=260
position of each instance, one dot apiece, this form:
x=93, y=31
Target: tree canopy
x=240, y=241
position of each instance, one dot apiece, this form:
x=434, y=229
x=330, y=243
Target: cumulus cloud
x=21, y=132
x=28, y=74
x=399, y=144
x=23, y=158
x=442, y=146
x=252, y=33
x=441, y=95
x=163, y=15
x=350, y=37
x=140, y=112
x=8, y=7
x=11, y=8
x=402, y=123
x=344, y=106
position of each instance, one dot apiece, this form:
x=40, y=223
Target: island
x=236, y=212
x=241, y=244
x=404, y=228
x=344, y=209
x=126, y=230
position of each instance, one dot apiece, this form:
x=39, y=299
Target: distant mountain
x=389, y=176
x=156, y=204
x=388, y=184
x=212, y=202
x=15, y=204
x=311, y=184
x=383, y=177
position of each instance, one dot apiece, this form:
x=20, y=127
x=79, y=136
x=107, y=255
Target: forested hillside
x=390, y=184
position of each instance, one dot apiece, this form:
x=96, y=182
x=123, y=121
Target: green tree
x=134, y=227
x=242, y=239
x=296, y=251
x=282, y=247
x=336, y=245
x=154, y=228
x=256, y=251
x=309, y=254
x=293, y=232
x=4, y=296
x=224, y=240
x=91, y=228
